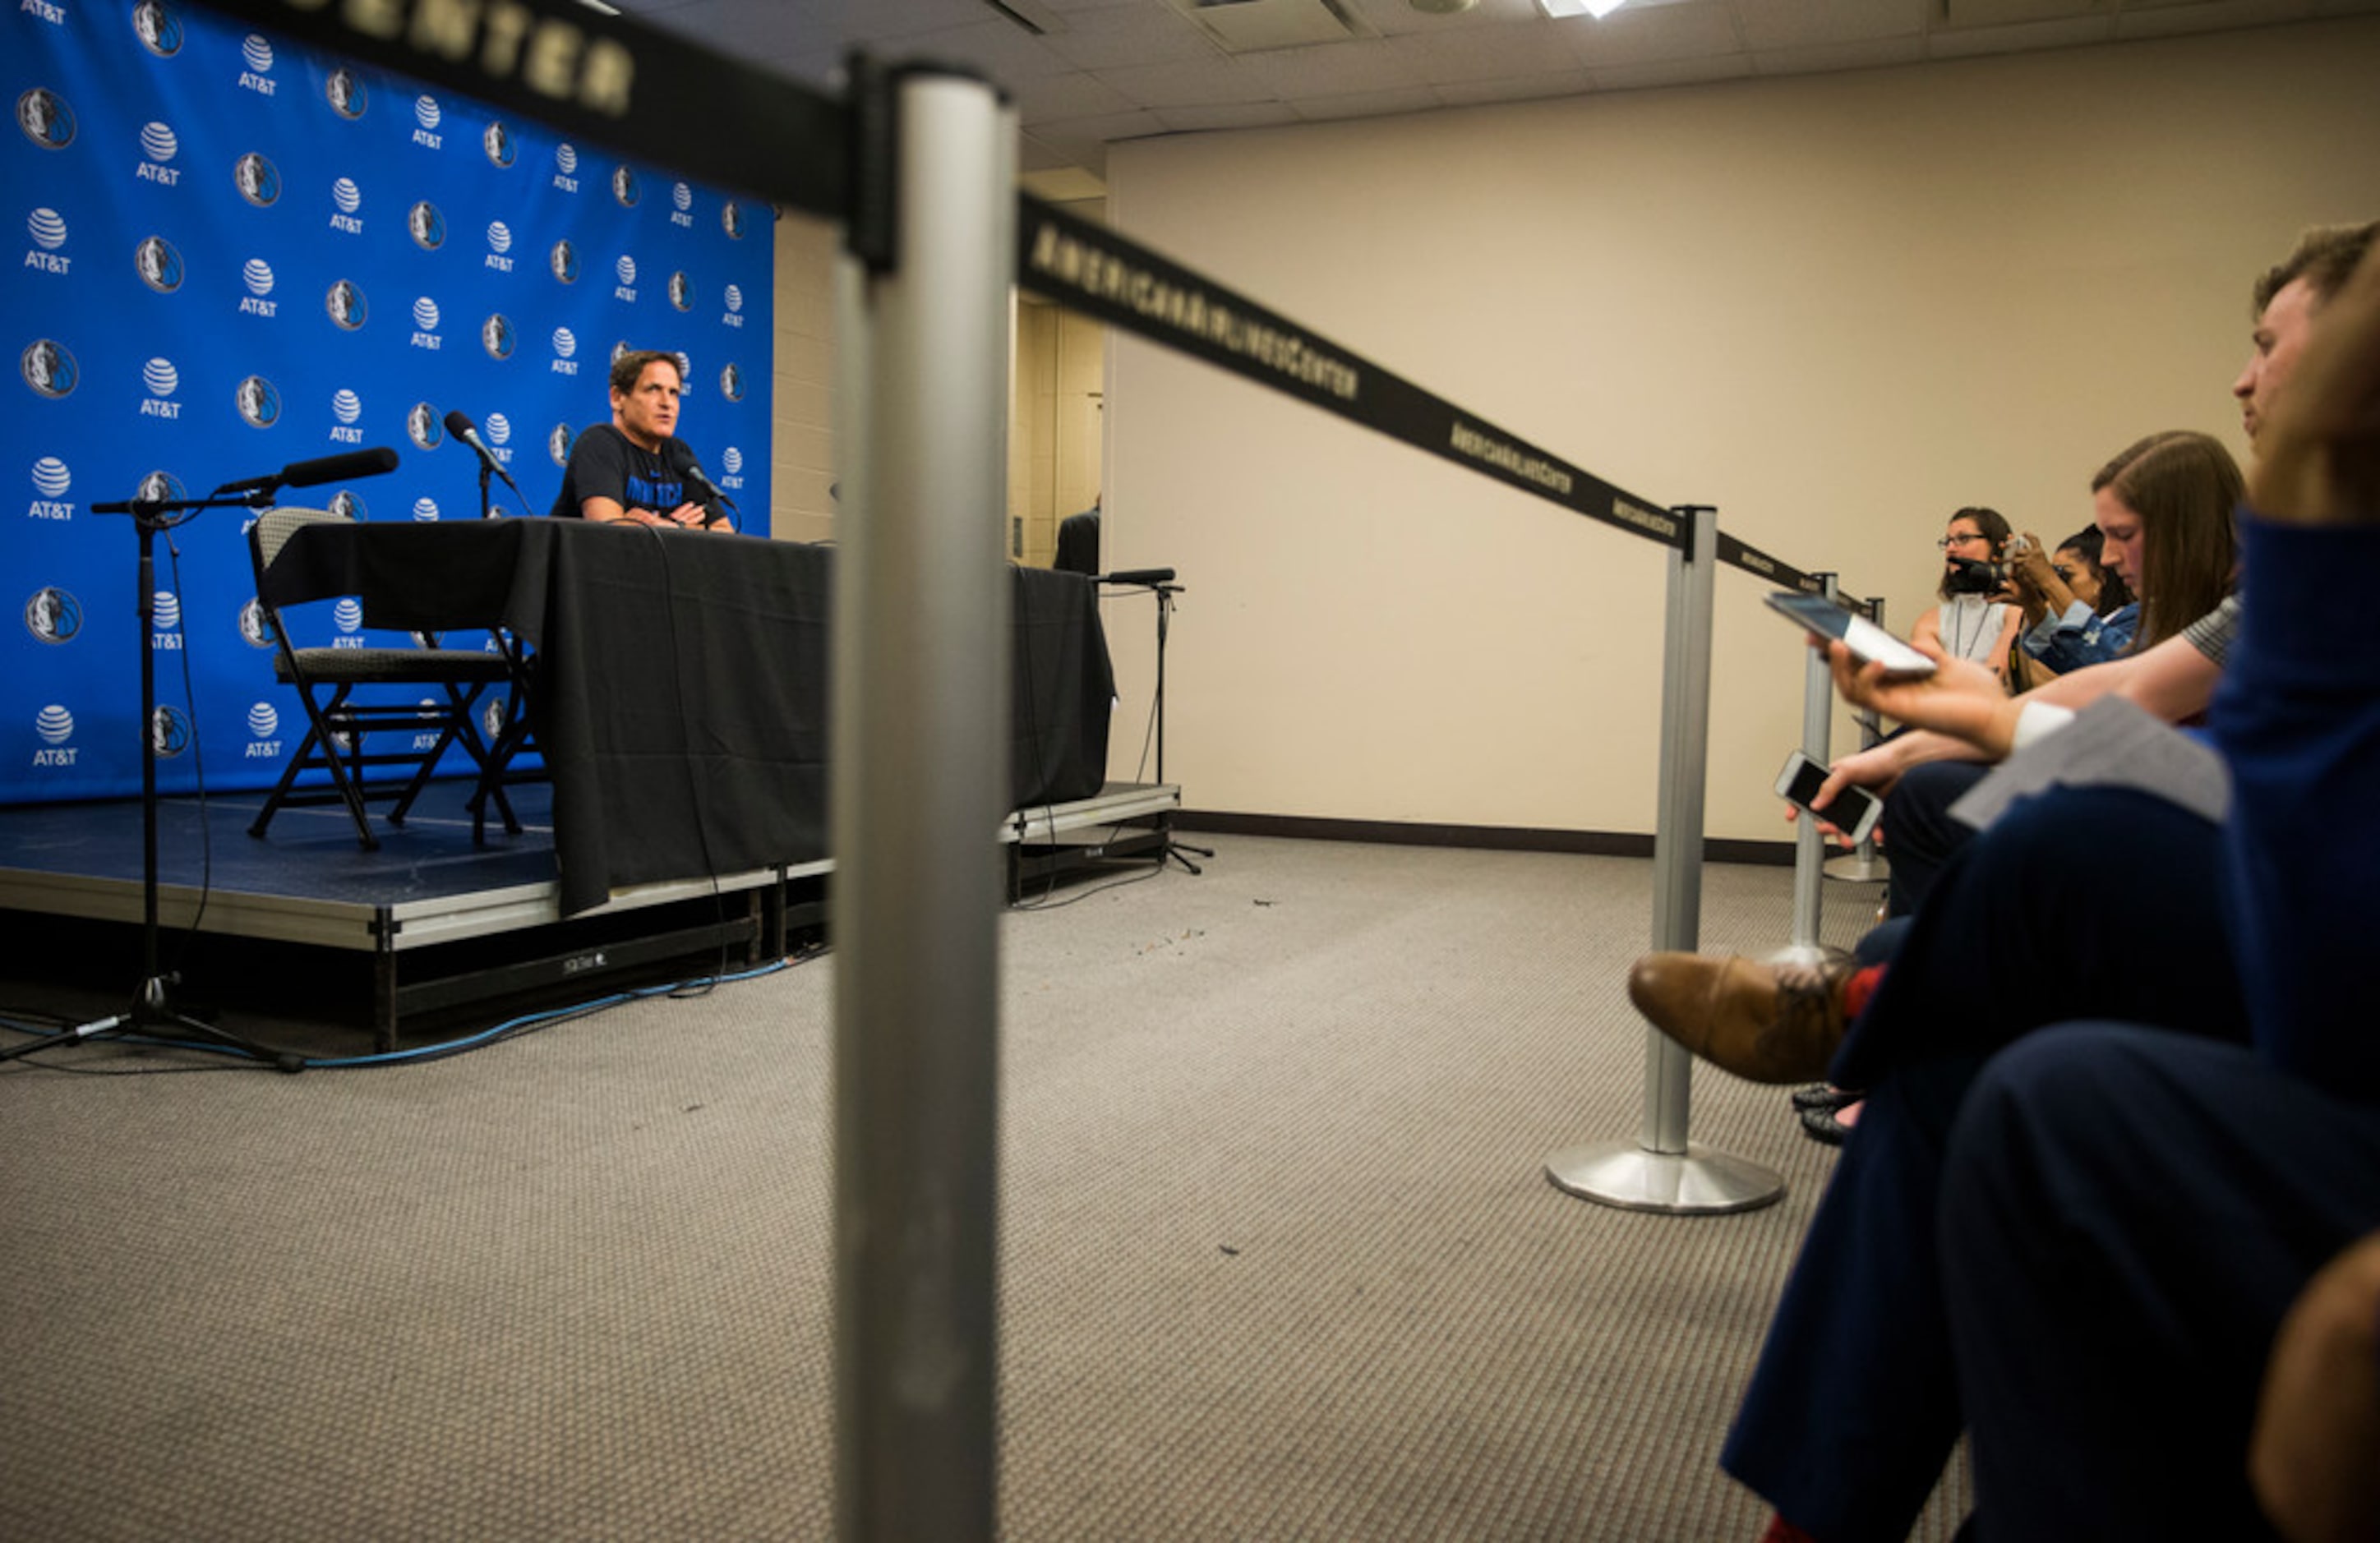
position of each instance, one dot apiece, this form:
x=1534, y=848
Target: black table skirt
x=680, y=678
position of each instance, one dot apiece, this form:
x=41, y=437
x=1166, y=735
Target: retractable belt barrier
x=916, y=164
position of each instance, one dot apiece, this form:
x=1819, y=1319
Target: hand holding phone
x=1869, y=643
x=1854, y=811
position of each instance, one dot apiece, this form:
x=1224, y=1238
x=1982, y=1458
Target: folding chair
x=338, y=727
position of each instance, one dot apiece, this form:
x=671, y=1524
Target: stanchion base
x=1858, y=867
x=1625, y=1174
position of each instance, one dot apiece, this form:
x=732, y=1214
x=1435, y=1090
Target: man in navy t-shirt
x=633, y=469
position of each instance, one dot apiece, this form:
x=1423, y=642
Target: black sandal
x=1824, y=1095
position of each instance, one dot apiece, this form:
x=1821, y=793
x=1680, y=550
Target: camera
x=1969, y=576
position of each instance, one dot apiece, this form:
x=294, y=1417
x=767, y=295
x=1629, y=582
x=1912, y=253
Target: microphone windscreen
x=459, y=423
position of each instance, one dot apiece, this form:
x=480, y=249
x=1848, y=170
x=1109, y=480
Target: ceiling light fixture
x=1595, y=8
x=1443, y=8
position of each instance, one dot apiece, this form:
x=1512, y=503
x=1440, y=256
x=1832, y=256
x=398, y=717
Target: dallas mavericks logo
x=169, y=733
x=159, y=263
x=259, y=180
x=498, y=337
x=54, y=615
x=497, y=140
x=681, y=290
x=494, y=715
x=347, y=304
x=345, y=91
x=731, y=218
x=48, y=368
x=565, y=258
x=161, y=487
x=731, y=383
x=623, y=187
x=421, y=425
x=428, y=225
x=255, y=626
x=557, y=445
x=46, y=119
x=346, y=505
x=159, y=30
x=55, y=724
x=260, y=402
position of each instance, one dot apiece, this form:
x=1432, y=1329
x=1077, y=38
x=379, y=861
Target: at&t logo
x=426, y=117
x=681, y=205
x=52, y=615
x=262, y=724
x=500, y=242
x=627, y=269
x=345, y=200
x=256, y=54
x=257, y=274
x=425, y=323
x=734, y=299
x=425, y=510
x=162, y=382
x=55, y=726
x=48, y=229
x=157, y=142
x=49, y=367
x=346, y=407
x=500, y=432
x=166, y=621
x=566, y=168
x=730, y=464
x=566, y=344
x=348, y=616
x=52, y=482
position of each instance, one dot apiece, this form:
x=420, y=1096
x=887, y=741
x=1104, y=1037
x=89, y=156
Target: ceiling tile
x=1187, y=82
x=1951, y=43
x=1672, y=72
x=1518, y=88
x=1777, y=24
x=1076, y=95
x=1365, y=104
x=1392, y=17
x=1144, y=33
x=1238, y=114
x=1479, y=53
x=1635, y=37
x=1333, y=69
x=1821, y=58
x=1004, y=52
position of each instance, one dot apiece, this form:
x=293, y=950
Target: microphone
x=327, y=468
x=1138, y=576
x=458, y=424
x=704, y=485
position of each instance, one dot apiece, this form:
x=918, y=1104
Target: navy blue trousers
x=2125, y=1216
x=1920, y=837
x=1855, y=1406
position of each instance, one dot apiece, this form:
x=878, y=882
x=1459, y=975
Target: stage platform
x=444, y=924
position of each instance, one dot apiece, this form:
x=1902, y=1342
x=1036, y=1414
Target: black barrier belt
x=1752, y=560
x=609, y=79
x=1091, y=268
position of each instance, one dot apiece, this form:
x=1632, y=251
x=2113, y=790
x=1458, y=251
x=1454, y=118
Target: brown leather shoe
x=1766, y=1023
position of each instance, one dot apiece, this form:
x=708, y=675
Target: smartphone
x=1869, y=643
x=1855, y=810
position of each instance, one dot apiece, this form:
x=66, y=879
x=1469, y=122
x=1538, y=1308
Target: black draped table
x=679, y=678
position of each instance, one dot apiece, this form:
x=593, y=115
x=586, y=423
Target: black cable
x=197, y=763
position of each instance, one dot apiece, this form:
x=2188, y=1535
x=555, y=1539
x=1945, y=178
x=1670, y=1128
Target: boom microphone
x=328, y=468
x=459, y=423
x=1138, y=576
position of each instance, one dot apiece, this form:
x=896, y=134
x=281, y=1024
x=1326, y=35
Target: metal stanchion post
x=920, y=783
x=1817, y=735
x=1864, y=863
x=1662, y=1170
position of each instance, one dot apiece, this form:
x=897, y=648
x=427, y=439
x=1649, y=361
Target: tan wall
x=1835, y=307
x=1055, y=433
x=803, y=457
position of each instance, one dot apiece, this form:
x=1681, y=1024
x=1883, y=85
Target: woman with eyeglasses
x=1974, y=620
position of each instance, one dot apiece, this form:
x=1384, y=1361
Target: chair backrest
x=272, y=530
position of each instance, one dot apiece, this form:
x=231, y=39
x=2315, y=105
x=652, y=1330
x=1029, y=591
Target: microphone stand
x=153, y=1007
x=1164, y=589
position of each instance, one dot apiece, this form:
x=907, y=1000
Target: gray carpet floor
x=1279, y=1259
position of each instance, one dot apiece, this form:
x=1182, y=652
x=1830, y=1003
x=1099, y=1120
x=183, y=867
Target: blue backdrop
x=240, y=254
